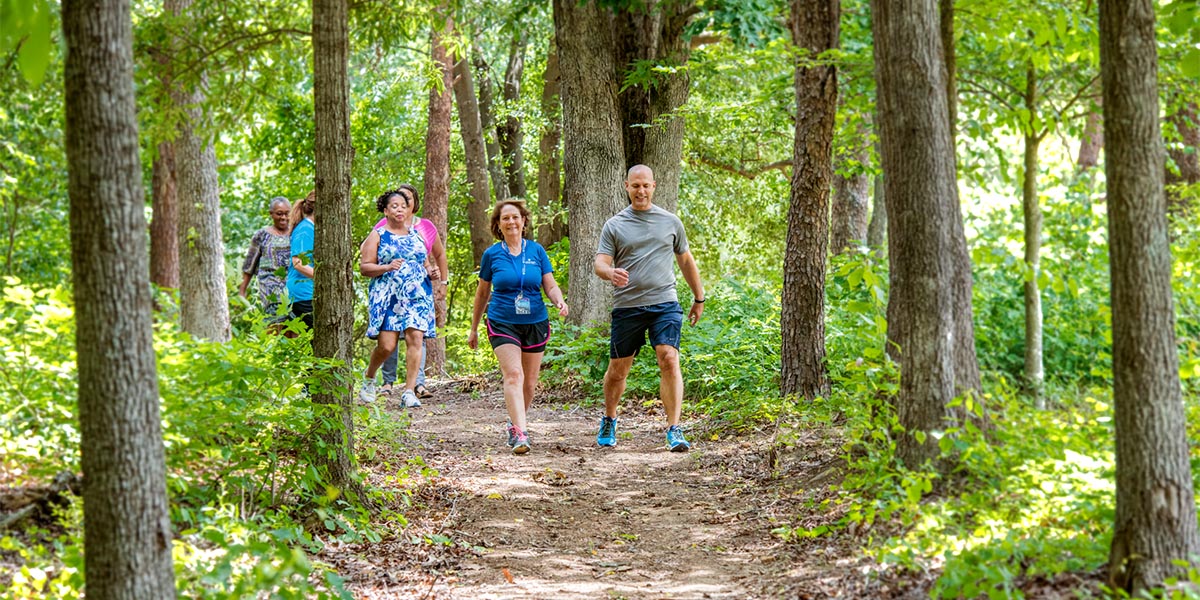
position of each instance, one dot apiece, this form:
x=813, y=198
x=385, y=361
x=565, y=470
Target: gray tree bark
x=1035, y=375
x=593, y=161
x=877, y=229
x=651, y=133
x=164, y=226
x=1092, y=140
x=509, y=132
x=966, y=361
x=476, y=155
x=550, y=197
x=1185, y=154
x=127, y=529
x=487, y=124
x=437, y=170
x=920, y=190
x=1156, y=510
x=851, y=202
x=333, y=250
x=815, y=29
x=203, y=300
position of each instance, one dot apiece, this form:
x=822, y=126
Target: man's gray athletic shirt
x=644, y=242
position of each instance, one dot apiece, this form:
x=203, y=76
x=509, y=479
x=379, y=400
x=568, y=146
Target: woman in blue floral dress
x=398, y=302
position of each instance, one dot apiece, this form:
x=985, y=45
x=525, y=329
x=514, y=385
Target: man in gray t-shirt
x=635, y=253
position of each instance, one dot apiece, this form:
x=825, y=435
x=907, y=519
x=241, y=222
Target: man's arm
x=603, y=266
x=691, y=274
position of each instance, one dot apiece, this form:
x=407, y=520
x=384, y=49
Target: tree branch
x=748, y=173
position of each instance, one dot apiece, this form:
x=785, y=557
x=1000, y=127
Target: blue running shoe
x=512, y=434
x=675, y=440
x=608, y=432
x=520, y=441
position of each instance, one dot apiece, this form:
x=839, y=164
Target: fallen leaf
x=507, y=575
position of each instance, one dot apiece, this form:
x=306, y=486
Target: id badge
x=522, y=305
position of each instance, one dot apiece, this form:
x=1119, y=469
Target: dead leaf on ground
x=507, y=574
x=552, y=477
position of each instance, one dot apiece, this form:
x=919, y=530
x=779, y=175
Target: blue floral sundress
x=400, y=300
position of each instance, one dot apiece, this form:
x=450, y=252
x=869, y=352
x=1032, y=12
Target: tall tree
x=918, y=161
x=593, y=160
x=1092, y=140
x=1156, y=510
x=851, y=196
x=815, y=30
x=1184, y=153
x=437, y=163
x=487, y=124
x=164, y=227
x=652, y=132
x=877, y=228
x=551, y=229
x=966, y=361
x=333, y=253
x=473, y=146
x=203, y=300
x=509, y=132
x=127, y=530
x=1031, y=209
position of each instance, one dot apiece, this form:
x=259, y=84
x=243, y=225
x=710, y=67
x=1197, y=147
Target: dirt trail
x=572, y=520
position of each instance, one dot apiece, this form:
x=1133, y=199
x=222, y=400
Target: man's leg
x=670, y=384
x=389, y=366
x=614, y=383
x=421, y=373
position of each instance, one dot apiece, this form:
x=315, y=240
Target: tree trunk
x=877, y=229
x=651, y=133
x=593, y=171
x=550, y=200
x=333, y=253
x=437, y=171
x=1032, y=211
x=164, y=226
x=127, y=529
x=851, y=201
x=919, y=162
x=476, y=157
x=1185, y=155
x=487, y=124
x=509, y=132
x=814, y=30
x=966, y=361
x=203, y=300
x=1156, y=511
x=1092, y=140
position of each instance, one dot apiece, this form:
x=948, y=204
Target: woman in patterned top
x=268, y=258
x=398, y=301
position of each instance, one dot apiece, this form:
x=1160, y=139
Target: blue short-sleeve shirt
x=503, y=270
x=299, y=287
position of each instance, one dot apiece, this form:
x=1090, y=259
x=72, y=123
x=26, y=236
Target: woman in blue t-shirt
x=513, y=273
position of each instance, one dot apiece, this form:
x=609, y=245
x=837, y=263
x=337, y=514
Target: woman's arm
x=439, y=258
x=554, y=293
x=367, y=264
x=483, y=293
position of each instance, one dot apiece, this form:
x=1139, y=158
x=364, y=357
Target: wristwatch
x=446, y=282
x=698, y=301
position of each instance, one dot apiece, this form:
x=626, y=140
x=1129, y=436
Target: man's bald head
x=639, y=169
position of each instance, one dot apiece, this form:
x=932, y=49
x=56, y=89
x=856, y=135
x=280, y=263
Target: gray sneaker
x=368, y=391
x=409, y=399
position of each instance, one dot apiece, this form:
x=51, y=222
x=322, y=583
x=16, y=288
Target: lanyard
x=520, y=257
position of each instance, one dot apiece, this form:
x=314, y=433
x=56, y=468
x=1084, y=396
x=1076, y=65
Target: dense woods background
x=960, y=237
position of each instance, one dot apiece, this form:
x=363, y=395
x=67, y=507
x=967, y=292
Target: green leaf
x=1190, y=64
x=35, y=52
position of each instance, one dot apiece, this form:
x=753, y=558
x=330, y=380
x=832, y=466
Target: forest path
x=572, y=520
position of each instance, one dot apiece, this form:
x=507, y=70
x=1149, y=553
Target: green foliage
x=241, y=444
x=27, y=28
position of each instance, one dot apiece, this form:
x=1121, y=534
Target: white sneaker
x=368, y=391
x=409, y=399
